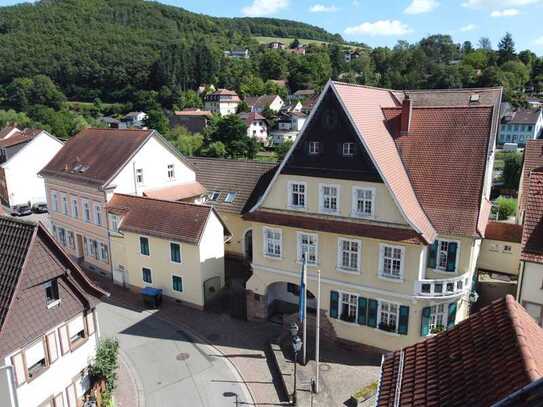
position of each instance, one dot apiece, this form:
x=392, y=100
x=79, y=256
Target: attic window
x=474, y=98
x=213, y=196
x=230, y=197
x=83, y=168
x=77, y=167
x=348, y=149
x=51, y=293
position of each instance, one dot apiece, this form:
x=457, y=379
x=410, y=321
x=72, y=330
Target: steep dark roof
x=95, y=155
x=480, y=361
x=247, y=178
x=532, y=234
x=179, y=221
x=524, y=116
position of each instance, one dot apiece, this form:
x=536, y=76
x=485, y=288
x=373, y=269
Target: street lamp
x=232, y=394
x=296, y=346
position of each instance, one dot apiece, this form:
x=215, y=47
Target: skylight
x=213, y=196
x=230, y=197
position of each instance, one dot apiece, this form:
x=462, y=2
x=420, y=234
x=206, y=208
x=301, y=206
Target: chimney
x=405, y=123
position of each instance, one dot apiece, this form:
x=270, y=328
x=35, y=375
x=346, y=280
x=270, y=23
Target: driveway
x=171, y=368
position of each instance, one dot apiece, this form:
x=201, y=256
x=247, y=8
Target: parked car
x=21, y=210
x=39, y=207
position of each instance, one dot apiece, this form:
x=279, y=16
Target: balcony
x=443, y=288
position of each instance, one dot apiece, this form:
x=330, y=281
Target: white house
x=222, y=101
x=48, y=321
x=260, y=103
x=288, y=127
x=22, y=155
x=257, y=126
x=95, y=164
x=134, y=119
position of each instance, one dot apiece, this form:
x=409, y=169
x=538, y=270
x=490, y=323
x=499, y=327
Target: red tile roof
x=249, y=118
x=445, y=154
x=177, y=192
x=179, y=221
x=98, y=153
x=7, y=130
x=505, y=232
x=480, y=361
x=363, y=105
x=533, y=158
x=261, y=102
x=532, y=234
x=20, y=137
x=194, y=113
x=330, y=225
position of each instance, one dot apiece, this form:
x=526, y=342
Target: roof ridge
x=146, y=198
x=453, y=90
x=232, y=160
x=524, y=347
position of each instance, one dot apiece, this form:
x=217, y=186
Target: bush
x=506, y=207
x=105, y=363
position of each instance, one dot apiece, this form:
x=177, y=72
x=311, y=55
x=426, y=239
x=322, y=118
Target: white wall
x=532, y=283
x=261, y=129
x=212, y=249
x=58, y=376
x=21, y=170
x=154, y=158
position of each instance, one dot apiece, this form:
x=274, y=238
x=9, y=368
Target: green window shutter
x=372, y=313
x=452, y=315
x=334, y=304
x=451, y=256
x=362, y=310
x=403, y=320
x=432, y=255
x=425, y=321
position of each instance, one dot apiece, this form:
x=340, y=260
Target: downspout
x=12, y=386
x=521, y=280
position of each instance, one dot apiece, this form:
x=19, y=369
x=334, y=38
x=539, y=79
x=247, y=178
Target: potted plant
x=363, y=394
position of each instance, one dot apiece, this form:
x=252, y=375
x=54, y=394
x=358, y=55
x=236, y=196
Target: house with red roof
x=493, y=358
x=257, y=126
x=387, y=194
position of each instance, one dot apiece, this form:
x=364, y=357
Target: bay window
x=443, y=255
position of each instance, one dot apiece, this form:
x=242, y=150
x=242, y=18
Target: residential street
x=172, y=370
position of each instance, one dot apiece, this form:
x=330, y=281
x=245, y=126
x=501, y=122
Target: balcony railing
x=448, y=287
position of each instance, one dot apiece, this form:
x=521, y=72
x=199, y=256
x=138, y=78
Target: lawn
x=287, y=41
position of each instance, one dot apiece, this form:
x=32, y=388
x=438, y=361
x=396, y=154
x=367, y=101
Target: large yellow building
x=386, y=193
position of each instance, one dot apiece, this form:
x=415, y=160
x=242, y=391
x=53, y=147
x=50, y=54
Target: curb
x=200, y=338
x=133, y=377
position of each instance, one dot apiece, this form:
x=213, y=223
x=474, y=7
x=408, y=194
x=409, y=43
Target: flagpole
x=305, y=319
x=318, y=336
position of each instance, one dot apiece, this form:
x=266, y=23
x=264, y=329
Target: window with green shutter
x=175, y=252
x=451, y=319
x=425, y=321
x=442, y=255
x=177, y=284
x=362, y=310
x=403, y=320
x=432, y=255
x=334, y=304
x=144, y=246
x=372, y=312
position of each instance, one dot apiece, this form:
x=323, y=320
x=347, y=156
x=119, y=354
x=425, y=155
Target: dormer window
x=314, y=147
x=114, y=221
x=348, y=149
x=213, y=196
x=52, y=297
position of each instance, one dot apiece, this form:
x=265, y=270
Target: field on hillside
x=287, y=41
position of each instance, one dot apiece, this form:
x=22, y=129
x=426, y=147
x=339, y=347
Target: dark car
x=21, y=210
x=39, y=207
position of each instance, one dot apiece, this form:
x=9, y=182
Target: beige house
x=222, y=101
x=378, y=194
x=96, y=163
x=500, y=250
x=173, y=246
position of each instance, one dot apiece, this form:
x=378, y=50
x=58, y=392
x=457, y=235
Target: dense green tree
x=189, y=144
x=231, y=131
x=157, y=120
x=272, y=64
x=22, y=93
x=512, y=170
x=506, y=49
x=484, y=43
x=11, y=117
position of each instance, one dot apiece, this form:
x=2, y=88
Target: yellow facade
x=238, y=228
x=199, y=262
x=501, y=257
x=367, y=281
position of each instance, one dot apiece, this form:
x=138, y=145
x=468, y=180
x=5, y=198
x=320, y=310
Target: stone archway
x=282, y=298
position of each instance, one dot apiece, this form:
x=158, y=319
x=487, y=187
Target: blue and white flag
x=303, y=288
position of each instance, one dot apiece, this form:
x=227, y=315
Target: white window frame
x=98, y=214
x=75, y=207
x=114, y=222
x=340, y=307
x=439, y=269
x=171, y=172
x=355, y=212
x=291, y=184
x=101, y=247
x=139, y=176
x=54, y=201
x=182, y=284
x=314, y=147
x=87, y=211
x=180, y=252
x=265, y=243
x=380, y=309
x=299, y=249
x=340, y=266
x=230, y=197
x=347, y=152
x=435, y=314
x=390, y=277
x=64, y=203
x=70, y=242
x=322, y=197
x=147, y=284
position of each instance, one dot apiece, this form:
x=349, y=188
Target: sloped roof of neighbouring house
x=524, y=116
x=225, y=92
x=29, y=256
x=532, y=234
x=504, y=232
x=246, y=178
x=477, y=363
x=533, y=158
x=177, y=192
x=251, y=117
x=260, y=102
x=7, y=130
x=20, y=137
x=95, y=155
x=179, y=221
x=191, y=112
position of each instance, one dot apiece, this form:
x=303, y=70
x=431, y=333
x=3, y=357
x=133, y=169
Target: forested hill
x=89, y=44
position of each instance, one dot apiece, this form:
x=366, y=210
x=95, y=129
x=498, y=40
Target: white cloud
x=421, y=6
x=260, y=8
x=469, y=27
x=508, y=12
x=356, y=3
x=321, y=8
x=498, y=4
x=380, y=27
x=539, y=41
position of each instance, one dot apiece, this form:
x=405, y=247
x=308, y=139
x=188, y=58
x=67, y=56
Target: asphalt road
x=171, y=368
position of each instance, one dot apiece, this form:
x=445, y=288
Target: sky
x=384, y=22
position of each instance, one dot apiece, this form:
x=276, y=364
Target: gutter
x=11, y=384
x=398, y=389
x=534, y=389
